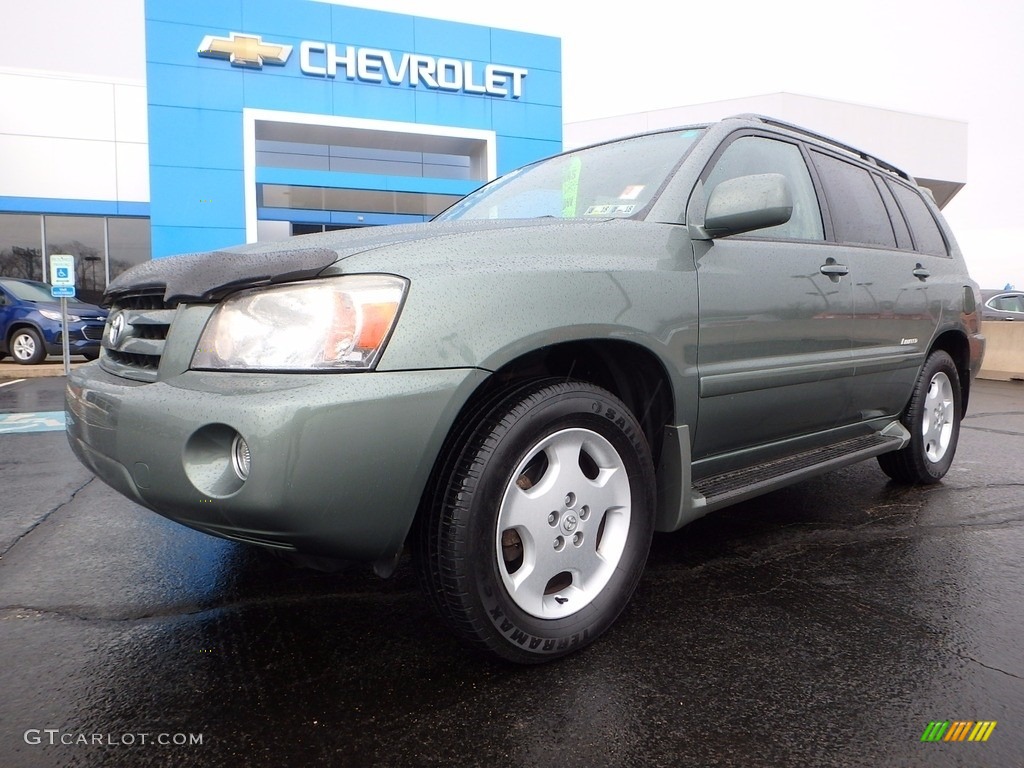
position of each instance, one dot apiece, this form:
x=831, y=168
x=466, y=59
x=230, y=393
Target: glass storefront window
x=357, y=200
x=83, y=238
x=102, y=247
x=128, y=242
x=21, y=253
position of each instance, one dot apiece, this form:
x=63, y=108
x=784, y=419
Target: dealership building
x=137, y=129
x=246, y=120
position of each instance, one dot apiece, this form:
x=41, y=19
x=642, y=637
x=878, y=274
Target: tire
x=27, y=346
x=90, y=356
x=540, y=522
x=933, y=418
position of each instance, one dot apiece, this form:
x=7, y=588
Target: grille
x=93, y=332
x=139, y=326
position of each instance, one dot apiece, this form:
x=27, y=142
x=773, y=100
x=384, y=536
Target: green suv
x=607, y=343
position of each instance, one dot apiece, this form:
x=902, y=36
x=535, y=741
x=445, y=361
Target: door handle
x=921, y=273
x=832, y=269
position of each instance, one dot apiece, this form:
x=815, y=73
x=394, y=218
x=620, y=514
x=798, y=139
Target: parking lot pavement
x=827, y=624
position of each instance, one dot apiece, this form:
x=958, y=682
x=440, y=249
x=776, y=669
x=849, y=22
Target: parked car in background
x=1002, y=305
x=609, y=342
x=30, y=323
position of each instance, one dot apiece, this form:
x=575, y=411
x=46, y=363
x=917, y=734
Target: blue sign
x=62, y=291
x=63, y=273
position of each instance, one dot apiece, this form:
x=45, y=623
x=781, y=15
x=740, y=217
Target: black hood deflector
x=209, y=276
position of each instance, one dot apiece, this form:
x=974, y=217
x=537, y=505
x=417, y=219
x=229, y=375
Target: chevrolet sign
x=371, y=65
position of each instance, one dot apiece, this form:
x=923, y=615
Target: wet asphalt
x=826, y=624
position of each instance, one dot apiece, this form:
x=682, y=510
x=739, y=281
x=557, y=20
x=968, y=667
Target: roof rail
x=827, y=139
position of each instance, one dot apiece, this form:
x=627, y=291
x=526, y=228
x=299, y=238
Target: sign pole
x=62, y=286
x=64, y=336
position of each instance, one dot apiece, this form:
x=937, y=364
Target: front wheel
x=27, y=346
x=541, y=521
x=933, y=418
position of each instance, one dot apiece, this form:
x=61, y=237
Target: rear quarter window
x=927, y=235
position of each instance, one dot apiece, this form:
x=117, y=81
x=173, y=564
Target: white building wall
x=75, y=137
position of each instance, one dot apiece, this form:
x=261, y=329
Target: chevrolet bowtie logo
x=244, y=50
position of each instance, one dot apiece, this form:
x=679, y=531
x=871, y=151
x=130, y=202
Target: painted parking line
x=39, y=421
x=8, y=383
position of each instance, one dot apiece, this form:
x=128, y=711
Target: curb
x=11, y=370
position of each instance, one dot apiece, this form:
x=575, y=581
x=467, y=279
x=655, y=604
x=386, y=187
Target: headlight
x=338, y=323
x=49, y=314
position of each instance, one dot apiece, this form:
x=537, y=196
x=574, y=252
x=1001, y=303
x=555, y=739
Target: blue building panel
x=435, y=108
x=370, y=101
x=304, y=215
x=126, y=208
x=441, y=38
x=196, y=138
x=197, y=197
x=543, y=87
x=373, y=29
x=77, y=207
x=176, y=86
x=530, y=121
x=516, y=152
x=541, y=51
x=269, y=90
x=171, y=240
x=419, y=70
x=170, y=43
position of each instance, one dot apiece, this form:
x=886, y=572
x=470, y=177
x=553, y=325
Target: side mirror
x=747, y=203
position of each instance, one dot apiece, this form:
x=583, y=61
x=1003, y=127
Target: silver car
x=1002, y=305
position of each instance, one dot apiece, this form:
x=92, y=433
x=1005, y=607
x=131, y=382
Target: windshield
x=31, y=291
x=618, y=179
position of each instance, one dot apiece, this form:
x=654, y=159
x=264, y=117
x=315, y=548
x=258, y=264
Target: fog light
x=240, y=457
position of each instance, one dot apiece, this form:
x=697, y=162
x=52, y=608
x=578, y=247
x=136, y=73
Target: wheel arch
x=631, y=372
x=17, y=325
x=956, y=345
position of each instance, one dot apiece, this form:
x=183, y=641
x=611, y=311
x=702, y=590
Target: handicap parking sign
x=62, y=270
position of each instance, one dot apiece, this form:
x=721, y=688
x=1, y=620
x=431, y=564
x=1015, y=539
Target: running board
x=731, y=487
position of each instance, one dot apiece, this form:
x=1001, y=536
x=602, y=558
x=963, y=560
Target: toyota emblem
x=116, y=329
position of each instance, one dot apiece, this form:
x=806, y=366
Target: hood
x=211, y=275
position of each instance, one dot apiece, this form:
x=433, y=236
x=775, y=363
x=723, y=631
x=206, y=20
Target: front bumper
x=338, y=461
x=83, y=339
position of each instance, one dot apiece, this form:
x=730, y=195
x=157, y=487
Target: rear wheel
x=933, y=418
x=541, y=521
x=27, y=346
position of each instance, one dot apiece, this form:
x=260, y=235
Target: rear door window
x=854, y=204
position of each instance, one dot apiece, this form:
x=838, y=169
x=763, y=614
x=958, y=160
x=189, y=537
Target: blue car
x=30, y=324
